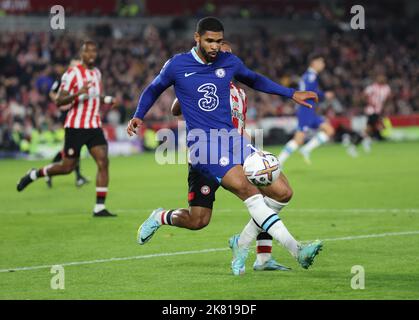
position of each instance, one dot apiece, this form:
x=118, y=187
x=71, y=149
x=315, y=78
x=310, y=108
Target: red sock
x=42, y=172
x=166, y=217
x=101, y=193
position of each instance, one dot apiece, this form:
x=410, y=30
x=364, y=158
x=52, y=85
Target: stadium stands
x=30, y=61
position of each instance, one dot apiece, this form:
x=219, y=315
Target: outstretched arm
x=149, y=96
x=146, y=101
x=264, y=84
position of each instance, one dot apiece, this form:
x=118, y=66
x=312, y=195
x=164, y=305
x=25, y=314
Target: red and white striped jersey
x=84, y=113
x=238, y=104
x=376, y=94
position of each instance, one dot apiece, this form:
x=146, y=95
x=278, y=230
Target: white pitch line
x=169, y=254
x=344, y=210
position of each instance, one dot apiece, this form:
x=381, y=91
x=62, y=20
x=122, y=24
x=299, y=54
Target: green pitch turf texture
x=367, y=207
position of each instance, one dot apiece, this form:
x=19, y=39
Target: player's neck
x=200, y=55
x=313, y=70
x=87, y=66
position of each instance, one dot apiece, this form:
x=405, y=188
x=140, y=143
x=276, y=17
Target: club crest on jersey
x=220, y=73
x=205, y=190
x=224, y=161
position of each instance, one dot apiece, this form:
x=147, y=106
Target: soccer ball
x=261, y=168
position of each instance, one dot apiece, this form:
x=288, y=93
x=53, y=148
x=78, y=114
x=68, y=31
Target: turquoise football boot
x=239, y=256
x=149, y=227
x=270, y=265
x=307, y=253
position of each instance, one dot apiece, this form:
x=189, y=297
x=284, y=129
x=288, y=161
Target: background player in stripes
x=376, y=95
x=53, y=94
x=81, y=87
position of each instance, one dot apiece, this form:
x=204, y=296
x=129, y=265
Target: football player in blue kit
x=201, y=79
x=308, y=119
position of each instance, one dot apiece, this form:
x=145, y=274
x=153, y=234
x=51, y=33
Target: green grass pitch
x=366, y=208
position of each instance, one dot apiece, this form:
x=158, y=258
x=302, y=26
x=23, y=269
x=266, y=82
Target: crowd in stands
x=30, y=62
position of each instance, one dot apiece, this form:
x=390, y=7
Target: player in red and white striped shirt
x=376, y=94
x=81, y=92
x=238, y=104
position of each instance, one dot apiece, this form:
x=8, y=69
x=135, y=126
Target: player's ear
x=197, y=37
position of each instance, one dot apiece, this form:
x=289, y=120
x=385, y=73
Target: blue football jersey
x=203, y=89
x=308, y=118
x=310, y=82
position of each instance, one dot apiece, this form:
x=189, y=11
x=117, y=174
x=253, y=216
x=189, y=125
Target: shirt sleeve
x=260, y=82
x=68, y=80
x=164, y=80
x=368, y=90
x=55, y=86
x=311, y=83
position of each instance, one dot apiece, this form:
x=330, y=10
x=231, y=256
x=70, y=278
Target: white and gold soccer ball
x=261, y=168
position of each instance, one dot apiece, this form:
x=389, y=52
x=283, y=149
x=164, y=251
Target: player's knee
x=197, y=224
x=103, y=163
x=328, y=129
x=288, y=193
x=284, y=196
x=299, y=140
x=200, y=222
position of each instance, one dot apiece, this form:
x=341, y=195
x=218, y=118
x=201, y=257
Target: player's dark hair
x=88, y=42
x=314, y=56
x=209, y=24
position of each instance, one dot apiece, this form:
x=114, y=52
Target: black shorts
x=201, y=189
x=373, y=119
x=75, y=139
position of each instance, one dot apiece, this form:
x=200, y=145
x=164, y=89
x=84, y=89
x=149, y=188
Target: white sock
x=98, y=207
x=289, y=148
x=277, y=206
x=281, y=234
x=260, y=212
x=45, y=169
x=261, y=258
x=249, y=234
x=274, y=205
x=33, y=175
x=251, y=230
x=270, y=222
x=315, y=142
x=366, y=144
x=351, y=149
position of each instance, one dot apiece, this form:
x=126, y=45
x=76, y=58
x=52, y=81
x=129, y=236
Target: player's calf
x=194, y=218
x=236, y=182
x=280, y=192
x=197, y=221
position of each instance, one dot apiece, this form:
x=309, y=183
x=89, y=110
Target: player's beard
x=207, y=57
x=90, y=65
